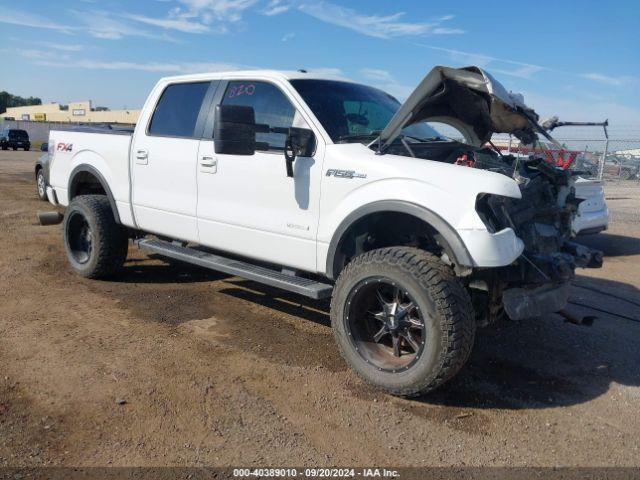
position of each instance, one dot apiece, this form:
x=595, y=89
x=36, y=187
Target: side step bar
x=268, y=276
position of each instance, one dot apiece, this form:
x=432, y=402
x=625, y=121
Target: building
x=630, y=153
x=75, y=112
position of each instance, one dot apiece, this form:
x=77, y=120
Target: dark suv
x=12, y=138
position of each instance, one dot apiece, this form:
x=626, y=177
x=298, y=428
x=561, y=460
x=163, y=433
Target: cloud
x=587, y=110
x=162, y=67
x=48, y=58
x=276, y=7
x=108, y=26
x=447, y=31
x=98, y=24
x=385, y=81
x=327, y=72
x=376, y=74
x=63, y=46
x=388, y=26
x=180, y=24
x=198, y=16
x=522, y=70
x=26, y=19
x=608, y=80
x=287, y=36
x=222, y=10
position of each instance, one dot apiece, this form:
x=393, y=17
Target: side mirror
x=234, y=131
x=301, y=142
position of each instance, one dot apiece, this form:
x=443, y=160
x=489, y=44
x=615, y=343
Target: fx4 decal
x=332, y=172
x=64, y=147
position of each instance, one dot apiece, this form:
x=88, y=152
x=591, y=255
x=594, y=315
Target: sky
x=578, y=60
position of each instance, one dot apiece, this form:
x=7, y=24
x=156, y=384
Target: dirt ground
x=172, y=365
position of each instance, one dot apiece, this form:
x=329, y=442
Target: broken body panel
x=478, y=106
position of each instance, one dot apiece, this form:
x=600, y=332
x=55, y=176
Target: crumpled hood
x=468, y=96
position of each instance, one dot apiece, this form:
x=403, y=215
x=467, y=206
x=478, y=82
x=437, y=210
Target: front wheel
x=402, y=320
x=96, y=245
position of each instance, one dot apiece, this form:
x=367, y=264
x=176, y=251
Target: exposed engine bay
x=471, y=101
x=541, y=219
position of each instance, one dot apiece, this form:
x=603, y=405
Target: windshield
x=355, y=113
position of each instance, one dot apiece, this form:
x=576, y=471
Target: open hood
x=468, y=98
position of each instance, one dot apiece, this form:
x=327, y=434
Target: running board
x=303, y=286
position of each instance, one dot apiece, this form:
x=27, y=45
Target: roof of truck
x=274, y=74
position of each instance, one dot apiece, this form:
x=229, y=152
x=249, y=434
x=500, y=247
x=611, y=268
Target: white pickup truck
x=326, y=187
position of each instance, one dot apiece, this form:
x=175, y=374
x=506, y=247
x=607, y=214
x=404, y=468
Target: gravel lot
x=172, y=365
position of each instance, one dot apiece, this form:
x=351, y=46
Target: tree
x=7, y=101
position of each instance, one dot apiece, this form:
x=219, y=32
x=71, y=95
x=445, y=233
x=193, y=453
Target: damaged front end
x=475, y=104
x=537, y=282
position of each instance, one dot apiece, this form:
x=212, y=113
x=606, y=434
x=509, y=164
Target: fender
x=454, y=242
x=84, y=168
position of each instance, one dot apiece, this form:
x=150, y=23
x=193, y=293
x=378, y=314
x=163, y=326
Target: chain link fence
x=602, y=159
x=609, y=160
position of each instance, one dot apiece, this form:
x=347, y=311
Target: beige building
x=75, y=112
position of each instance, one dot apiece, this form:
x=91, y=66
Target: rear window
x=20, y=134
x=177, y=110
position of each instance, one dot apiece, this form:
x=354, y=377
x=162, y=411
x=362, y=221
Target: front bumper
x=521, y=303
x=590, y=221
x=492, y=249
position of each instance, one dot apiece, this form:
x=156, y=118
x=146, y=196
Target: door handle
x=142, y=157
x=208, y=164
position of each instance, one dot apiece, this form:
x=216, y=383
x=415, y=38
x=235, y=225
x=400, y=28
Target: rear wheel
x=96, y=245
x=41, y=185
x=402, y=320
x=26, y=149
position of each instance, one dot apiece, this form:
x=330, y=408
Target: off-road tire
x=109, y=239
x=41, y=185
x=433, y=286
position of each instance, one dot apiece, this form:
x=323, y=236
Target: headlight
x=492, y=210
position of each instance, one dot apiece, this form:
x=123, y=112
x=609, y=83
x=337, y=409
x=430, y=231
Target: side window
x=177, y=110
x=271, y=108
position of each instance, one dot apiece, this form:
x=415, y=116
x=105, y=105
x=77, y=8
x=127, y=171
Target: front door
x=247, y=204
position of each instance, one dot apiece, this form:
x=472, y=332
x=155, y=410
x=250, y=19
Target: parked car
x=331, y=188
x=41, y=171
x=593, y=213
x=13, y=138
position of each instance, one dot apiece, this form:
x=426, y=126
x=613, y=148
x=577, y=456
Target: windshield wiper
x=356, y=136
x=422, y=140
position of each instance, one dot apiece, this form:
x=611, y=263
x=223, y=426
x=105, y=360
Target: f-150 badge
x=332, y=172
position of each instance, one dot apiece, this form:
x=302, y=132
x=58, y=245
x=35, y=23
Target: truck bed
x=105, y=151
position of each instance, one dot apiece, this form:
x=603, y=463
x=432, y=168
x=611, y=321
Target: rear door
x=246, y=203
x=164, y=160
